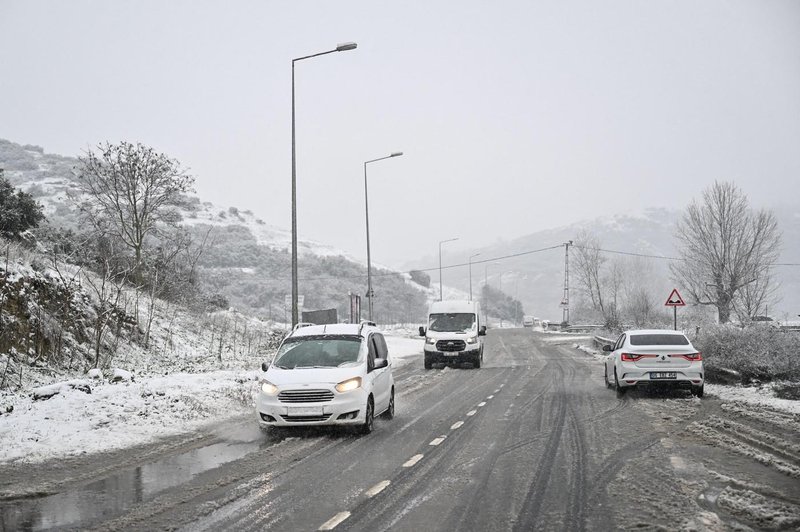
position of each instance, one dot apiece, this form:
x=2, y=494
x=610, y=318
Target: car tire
x=605, y=377
x=428, y=363
x=619, y=389
x=697, y=391
x=389, y=412
x=476, y=363
x=369, y=419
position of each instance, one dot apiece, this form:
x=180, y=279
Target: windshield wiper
x=281, y=367
x=311, y=367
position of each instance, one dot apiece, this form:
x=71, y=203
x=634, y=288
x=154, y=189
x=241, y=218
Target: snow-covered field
x=120, y=415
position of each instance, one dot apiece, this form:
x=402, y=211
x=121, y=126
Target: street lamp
x=366, y=209
x=470, y=274
x=440, y=264
x=295, y=318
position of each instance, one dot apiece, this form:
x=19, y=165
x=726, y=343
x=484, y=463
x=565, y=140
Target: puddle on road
x=111, y=496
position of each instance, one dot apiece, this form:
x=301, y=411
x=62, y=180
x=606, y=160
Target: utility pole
x=565, y=300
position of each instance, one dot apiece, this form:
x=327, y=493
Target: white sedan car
x=328, y=375
x=654, y=357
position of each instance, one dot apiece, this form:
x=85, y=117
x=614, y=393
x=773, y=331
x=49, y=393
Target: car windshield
x=452, y=322
x=659, y=339
x=318, y=352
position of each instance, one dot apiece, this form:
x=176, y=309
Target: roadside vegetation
x=752, y=354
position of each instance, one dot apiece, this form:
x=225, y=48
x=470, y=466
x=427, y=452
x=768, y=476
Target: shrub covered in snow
x=755, y=352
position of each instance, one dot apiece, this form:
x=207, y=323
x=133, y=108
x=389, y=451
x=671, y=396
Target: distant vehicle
x=338, y=374
x=653, y=357
x=454, y=333
x=527, y=321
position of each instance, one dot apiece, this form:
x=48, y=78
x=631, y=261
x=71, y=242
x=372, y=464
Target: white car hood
x=281, y=377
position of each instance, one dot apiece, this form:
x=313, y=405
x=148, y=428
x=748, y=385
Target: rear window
x=659, y=339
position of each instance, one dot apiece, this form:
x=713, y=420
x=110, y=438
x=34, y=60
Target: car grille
x=305, y=396
x=450, y=345
x=306, y=419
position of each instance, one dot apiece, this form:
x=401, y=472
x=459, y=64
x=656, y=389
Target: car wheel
x=697, y=391
x=428, y=364
x=369, y=421
x=605, y=377
x=477, y=362
x=620, y=390
x=389, y=413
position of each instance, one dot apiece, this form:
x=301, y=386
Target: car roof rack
x=366, y=322
x=302, y=324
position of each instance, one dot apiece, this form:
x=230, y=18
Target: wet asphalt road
x=531, y=441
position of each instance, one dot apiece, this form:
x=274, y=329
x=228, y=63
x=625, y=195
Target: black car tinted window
x=659, y=339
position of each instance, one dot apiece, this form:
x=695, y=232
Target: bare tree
x=640, y=302
x=588, y=266
x=724, y=246
x=754, y=298
x=129, y=191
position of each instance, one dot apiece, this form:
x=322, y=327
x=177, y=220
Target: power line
x=504, y=257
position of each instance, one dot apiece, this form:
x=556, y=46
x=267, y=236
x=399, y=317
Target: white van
x=328, y=375
x=454, y=333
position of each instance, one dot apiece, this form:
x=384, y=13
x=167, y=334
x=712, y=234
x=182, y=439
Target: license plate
x=451, y=353
x=664, y=375
x=305, y=410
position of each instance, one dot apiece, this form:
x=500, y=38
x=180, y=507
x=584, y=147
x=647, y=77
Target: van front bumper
x=347, y=408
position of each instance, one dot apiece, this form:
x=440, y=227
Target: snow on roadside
x=404, y=350
x=116, y=416
x=761, y=396
x=120, y=415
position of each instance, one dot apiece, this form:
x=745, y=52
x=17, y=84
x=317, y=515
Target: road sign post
x=675, y=300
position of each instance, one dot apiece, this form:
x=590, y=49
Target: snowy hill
x=537, y=279
x=247, y=261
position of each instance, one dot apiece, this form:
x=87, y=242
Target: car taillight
x=631, y=357
x=693, y=356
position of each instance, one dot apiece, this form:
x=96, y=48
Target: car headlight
x=472, y=340
x=269, y=388
x=430, y=340
x=349, y=385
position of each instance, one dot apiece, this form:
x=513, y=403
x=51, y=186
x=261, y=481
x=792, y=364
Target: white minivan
x=337, y=374
x=454, y=333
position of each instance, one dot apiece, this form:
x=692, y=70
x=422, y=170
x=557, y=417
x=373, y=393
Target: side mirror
x=381, y=363
x=422, y=331
x=264, y=366
x=607, y=348
x=482, y=331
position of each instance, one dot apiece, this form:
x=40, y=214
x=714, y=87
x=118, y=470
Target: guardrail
x=599, y=341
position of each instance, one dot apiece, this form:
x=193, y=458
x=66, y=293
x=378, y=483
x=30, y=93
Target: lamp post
x=470, y=274
x=440, y=263
x=295, y=314
x=366, y=209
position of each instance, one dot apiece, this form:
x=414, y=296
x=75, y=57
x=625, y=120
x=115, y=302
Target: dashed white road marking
x=456, y=425
x=334, y=521
x=413, y=460
x=482, y=403
x=472, y=413
x=437, y=441
x=490, y=397
x=497, y=390
x=377, y=488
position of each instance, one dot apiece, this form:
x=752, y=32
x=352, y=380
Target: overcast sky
x=513, y=116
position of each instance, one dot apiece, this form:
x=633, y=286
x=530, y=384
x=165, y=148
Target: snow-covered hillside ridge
x=49, y=179
x=245, y=261
x=537, y=279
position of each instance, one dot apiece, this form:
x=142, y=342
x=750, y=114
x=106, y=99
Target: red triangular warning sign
x=674, y=299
